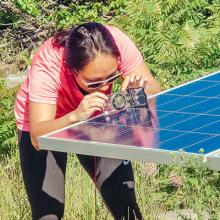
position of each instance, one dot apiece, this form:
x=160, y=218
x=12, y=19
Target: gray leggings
x=44, y=175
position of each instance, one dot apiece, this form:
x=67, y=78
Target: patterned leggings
x=44, y=175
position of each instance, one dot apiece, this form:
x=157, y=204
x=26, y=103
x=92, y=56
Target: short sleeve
x=44, y=75
x=130, y=56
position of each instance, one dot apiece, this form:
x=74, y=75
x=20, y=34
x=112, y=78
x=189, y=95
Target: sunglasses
x=97, y=84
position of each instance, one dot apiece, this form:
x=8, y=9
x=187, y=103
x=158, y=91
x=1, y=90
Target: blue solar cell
x=165, y=135
x=194, y=123
x=163, y=99
x=211, y=128
x=192, y=87
x=213, y=92
x=161, y=113
x=208, y=144
x=215, y=111
x=181, y=103
x=171, y=118
x=183, y=141
x=204, y=106
x=213, y=77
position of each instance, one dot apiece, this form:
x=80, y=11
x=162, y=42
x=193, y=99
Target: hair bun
x=84, y=31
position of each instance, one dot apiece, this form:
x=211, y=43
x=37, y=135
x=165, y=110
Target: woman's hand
x=95, y=101
x=134, y=80
x=141, y=77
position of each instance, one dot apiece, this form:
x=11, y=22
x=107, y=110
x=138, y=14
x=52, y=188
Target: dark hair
x=82, y=43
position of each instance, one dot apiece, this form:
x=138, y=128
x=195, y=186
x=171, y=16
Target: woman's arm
x=42, y=116
x=42, y=120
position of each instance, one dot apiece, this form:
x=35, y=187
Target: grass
x=156, y=193
x=170, y=187
x=158, y=188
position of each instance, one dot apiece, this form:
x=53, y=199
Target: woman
x=70, y=76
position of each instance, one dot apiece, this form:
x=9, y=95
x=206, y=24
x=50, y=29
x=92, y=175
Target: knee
x=49, y=217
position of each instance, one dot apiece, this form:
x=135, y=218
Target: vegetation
x=159, y=189
x=180, y=40
x=7, y=121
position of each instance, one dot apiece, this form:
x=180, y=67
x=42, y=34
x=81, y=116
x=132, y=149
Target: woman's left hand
x=134, y=80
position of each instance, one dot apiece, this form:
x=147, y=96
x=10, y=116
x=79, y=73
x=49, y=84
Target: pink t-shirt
x=48, y=81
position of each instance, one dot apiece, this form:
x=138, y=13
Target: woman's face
x=102, y=68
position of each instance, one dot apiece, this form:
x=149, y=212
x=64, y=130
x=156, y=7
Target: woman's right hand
x=95, y=101
x=42, y=116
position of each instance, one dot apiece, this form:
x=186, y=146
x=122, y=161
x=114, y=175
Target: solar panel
x=186, y=117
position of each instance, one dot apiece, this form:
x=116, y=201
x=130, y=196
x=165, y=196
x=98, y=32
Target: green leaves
x=92, y=11
x=177, y=38
x=28, y=6
x=8, y=132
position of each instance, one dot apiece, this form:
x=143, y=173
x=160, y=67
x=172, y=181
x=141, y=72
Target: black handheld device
x=130, y=98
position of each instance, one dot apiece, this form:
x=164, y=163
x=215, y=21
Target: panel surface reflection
x=133, y=127
x=185, y=118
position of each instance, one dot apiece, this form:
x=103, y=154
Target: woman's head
x=90, y=51
x=86, y=42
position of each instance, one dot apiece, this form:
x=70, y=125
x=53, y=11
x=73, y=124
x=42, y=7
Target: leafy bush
x=191, y=184
x=28, y=6
x=26, y=23
x=8, y=132
x=179, y=39
x=186, y=184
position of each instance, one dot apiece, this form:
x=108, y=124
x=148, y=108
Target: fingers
x=90, y=103
x=96, y=102
x=134, y=80
x=143, y=82
x=96, y=99
x=90, y=111
x=125, y=83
